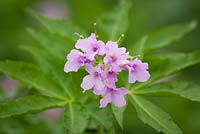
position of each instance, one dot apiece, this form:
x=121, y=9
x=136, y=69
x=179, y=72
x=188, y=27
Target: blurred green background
x=145, y=16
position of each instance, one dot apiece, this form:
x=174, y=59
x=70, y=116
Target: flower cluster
x=103, y=62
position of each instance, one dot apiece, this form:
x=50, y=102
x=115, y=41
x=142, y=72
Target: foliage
x=57, y=89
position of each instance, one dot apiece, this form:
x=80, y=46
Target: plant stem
x=100, y=129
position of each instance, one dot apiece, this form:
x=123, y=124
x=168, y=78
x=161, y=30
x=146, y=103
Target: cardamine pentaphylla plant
x=118, y=76
x=103, y=76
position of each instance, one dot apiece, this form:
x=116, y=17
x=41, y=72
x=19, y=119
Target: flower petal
x=105, y=100
x=71, y=66
x=74, y=55
x=111, y=47
x=102, y=48
x=88, y=82
x=131, y=77
x=111, y=77
x=142, y=76
x=118, y=100
x=86, y=44
x=98, y=85
x=89, y=68
x=99, y=92
x=122, y=91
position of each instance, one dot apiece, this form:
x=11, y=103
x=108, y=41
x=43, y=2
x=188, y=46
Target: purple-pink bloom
x=95, y=78
x=75, y=59
x=114, y=55
x=100, y=92
x=111, y=76
x=103, y=63
x=114, y=95
x=91, y=46
x=137, y=71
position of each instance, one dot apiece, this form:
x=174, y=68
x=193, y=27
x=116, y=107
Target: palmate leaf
x=61, y=27
x=27, y=124
x=162, y=65
x=51, y=65
x=118, y=114
x=75, y=119
x=46, y=61
x=161, y=38
x=40, y=56
x=28, y=104
x=165, y=36
x=50, y=54
x=54, y=44
x=32, y=76
x=137, y=49
x=115, y=22
x=173, y=63
x=102, y=116
x=183, y=89
x=153, y=115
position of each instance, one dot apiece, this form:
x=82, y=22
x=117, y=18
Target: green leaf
x=171, y=63
x=102, y=116
x=154, y=116
x=37, y=53
x=162, y=65
x=137, y=49
x=27, y=124
x=115, y=22
x=1, y=92
x=54, y=44
x=75, y=120
x=167, y=35
x=183, y=89
x=50, y=65
x=61, y=27
x=29, y=104
x=32, y=76
x=118, y=113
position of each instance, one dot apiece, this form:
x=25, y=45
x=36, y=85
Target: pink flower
x=102, y=77
x=75, y=60
x=137, y=71
x=94, y=79
x=91, y=46
x=111, y=76
x=114, y=55
x=114, y=95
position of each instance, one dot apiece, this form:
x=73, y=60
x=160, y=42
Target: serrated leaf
x=162, y=65
x=115, y=22
x=118, y=113
x=172, y=63
x=29, y=104
x=154, y=116
x=102, y=116
x=75, y=120
x=164, y=36
x=40, y=57
x=27, y=124
x=51, y=65
x=137, y=49
x=54, y=44
x=61, y=27
x=32, y=76
x=183, y=89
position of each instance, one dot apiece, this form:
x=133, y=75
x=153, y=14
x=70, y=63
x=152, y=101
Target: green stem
x=100, y=129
